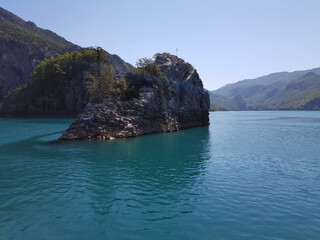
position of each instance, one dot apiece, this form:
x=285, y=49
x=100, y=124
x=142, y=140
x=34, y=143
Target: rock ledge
x=186, y=106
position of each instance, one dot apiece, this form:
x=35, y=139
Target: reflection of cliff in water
x=145, y=179
x=149, y=171
x=166, y=158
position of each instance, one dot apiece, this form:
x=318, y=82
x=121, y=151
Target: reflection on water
x=113, y=183
x=249, y=175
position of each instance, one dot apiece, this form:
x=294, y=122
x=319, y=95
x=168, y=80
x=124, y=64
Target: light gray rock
x=186, y=106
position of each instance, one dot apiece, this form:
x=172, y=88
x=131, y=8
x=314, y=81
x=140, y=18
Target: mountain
x=118, y=64
x=60, y=85
x=272, y=92
x=221, y=102
x=23, y=46
x=281, y=78
x=301, y=94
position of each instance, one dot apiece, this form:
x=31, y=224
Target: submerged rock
x=184, y=105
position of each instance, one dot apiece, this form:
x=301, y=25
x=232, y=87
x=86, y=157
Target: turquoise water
x=249, y=175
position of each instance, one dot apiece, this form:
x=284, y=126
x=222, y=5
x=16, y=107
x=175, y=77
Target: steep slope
x=267, y=92
x=221, y=102
x=59, y=86
x=119, y=65
x=249, y=87
x=298, y=94
x=23, y=46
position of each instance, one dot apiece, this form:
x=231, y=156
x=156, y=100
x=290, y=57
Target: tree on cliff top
x=100, y=83
x=148, y=65
x=148, y=74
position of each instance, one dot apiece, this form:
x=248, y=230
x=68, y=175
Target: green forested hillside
x=298, y=94
x=221, y=102
x=218, y=100
x=297, y=90
x=23, y=46
x=64, y=84
x=35, y=38
x=20, y=28
x=56, y=86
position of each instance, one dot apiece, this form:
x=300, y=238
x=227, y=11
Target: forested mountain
x=302, y=93
x=220, y=102
x=296, y=90
x=23, y=46
x=62, y=85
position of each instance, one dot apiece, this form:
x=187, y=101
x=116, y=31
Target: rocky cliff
x=57, y=87
x=23, y=46
x=182, y=103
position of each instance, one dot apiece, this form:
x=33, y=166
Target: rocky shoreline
x=124, y=120
x=185, y=106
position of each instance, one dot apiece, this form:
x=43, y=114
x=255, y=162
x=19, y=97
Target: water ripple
x=247, y=176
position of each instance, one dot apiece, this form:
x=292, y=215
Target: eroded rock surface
x=186, y=105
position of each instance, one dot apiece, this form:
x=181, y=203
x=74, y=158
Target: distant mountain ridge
x=23, y=46
x=272, y=92
x=32, y=27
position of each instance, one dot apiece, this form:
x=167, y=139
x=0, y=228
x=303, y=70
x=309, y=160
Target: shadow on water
x=244, y=177
x=146, y=179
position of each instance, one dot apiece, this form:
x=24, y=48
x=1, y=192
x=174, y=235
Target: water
x=250, y=175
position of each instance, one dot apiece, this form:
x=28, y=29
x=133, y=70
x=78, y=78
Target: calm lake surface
x=249, y=175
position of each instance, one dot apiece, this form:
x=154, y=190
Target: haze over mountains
x=298, y=90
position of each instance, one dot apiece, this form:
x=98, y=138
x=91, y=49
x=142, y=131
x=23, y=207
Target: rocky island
x=163, y=94
x=184, y=103
x=44, y=75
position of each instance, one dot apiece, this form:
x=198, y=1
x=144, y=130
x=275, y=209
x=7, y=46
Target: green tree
x=149, y=66
x=143, y=62
x=100, y=83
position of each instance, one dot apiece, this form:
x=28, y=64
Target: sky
x=225, y=40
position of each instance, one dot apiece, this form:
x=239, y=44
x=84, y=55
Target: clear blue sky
x=226, y=40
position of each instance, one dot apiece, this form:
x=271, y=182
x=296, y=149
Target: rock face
x=65, y=98
x=23, y=46
x=186, y=105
